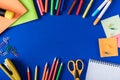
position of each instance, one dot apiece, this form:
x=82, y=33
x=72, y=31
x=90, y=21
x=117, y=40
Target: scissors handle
x=77, y=66
x=77, y=79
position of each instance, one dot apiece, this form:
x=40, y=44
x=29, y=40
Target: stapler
x=9, y=68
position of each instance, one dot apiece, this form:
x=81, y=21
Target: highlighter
x=6, y=13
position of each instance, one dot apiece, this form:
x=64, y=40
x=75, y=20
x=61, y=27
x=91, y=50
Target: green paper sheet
x=111, y=26
x=29, y=15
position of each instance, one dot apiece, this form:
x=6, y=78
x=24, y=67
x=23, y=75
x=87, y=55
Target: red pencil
x=58, y=10
x=28, y=73
x=55, y=70
x=79, y=7
x=52, y=68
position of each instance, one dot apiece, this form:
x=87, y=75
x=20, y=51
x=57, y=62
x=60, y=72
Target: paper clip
x=79, y=7
x=9, y=68
x=2, y=53
x=5, y=41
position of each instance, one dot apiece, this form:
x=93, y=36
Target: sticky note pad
x=14, y=6
x=29, y=15
x=111, y=26
x=118, y=39
x=108, y=47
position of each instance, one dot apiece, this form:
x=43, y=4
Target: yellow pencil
x=36, y=73
x=88, y=8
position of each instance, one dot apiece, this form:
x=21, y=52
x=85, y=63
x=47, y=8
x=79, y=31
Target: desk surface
x=65, y=37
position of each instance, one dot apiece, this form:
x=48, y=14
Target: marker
x=52, y=68
x=58, y=10
x=88, y=8
x=46, y=6
x=55, y=70
x=52, y=7
x=36, y=73
x=44, y=73
x=99, y=8
x=28, y=73
x=102, y=12
x=6, y=13
x=71, y=8
x=79, y=7
x=59, y=71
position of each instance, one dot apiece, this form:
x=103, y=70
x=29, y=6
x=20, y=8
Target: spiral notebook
x=99, y=70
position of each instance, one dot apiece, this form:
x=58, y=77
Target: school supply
x=62, y=5
x=52, y=69
x=111, y=26
x=36, y=73
x=100, y=70
x=59, y=71
x=46, y=6
x=78, y=9
x=56, y=5
x=55, y=70
x=52, y=7
x=6, y=13
x=44, y=72
x=19, y=10
x=29, y=15
x=106, y=3
x=9, y=68
x=76, y=72
x=59, y=5
x=118, y=39
x=88, y=8
x=4, y=42
x=108, y=47
x=28, y=73
x=40, y=5
x=46, y=76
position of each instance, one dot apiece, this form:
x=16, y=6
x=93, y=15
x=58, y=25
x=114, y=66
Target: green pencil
x=56, y=6
x=59, y=71
x=52, y=7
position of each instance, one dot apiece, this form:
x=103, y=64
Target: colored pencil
x=52, y=7
x=36, y=73
x=52, y=68
x=62, y=5
x=71, y=8
x=28, y=73
x=46, y=76
x=59, y=71
x=58, y=10
x=102, y=13
x=99, y=8
x=57, y=3
x=88, y=8
x=40, y=9
x=55, y=70
x=46, y=6
x=79, y=7
x=44, y=72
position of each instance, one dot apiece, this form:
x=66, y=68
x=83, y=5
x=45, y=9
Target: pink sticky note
x=118, y=40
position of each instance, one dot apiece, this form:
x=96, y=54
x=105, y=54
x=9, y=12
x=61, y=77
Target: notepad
x=100, y=70
x=29, y=15
x=15, y=6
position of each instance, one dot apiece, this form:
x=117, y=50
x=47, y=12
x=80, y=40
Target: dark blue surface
x=65, y=37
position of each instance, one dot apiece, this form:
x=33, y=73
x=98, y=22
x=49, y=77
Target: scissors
x=76, y=72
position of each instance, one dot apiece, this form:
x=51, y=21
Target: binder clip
x=78, y=9
x=9, y=68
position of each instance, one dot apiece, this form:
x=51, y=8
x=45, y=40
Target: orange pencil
x=46, y=76
x=39, y=6
x=55, y=70
x=52, y=68
x=44, y=72
x=46, y=6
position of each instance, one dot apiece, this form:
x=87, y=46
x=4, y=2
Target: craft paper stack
x=23, y=12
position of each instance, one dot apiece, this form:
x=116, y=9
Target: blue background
x=65, y=37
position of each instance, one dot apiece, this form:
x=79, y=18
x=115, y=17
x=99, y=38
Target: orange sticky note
x=108, y=47
x=14, y=6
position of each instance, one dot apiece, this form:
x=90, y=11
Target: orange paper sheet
x=108, y=47
x=12, y=5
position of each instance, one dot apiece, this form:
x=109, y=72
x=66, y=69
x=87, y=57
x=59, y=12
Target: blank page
x=98, y=70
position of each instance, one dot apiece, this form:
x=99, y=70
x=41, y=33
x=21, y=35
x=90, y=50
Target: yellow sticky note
x=108, y=47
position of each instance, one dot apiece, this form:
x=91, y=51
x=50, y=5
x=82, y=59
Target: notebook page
x=98, y=70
